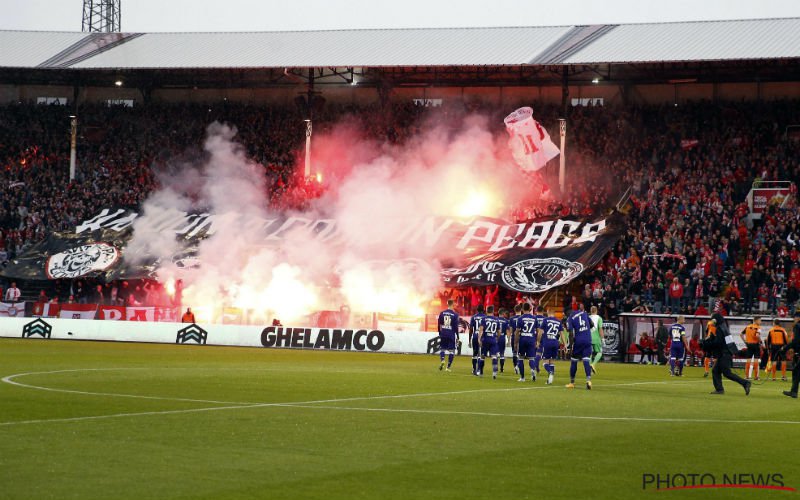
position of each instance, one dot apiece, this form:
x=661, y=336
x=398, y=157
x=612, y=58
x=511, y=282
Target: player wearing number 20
x=448, y=334
x=489, y=331
x=549, y=340
x=581, y=327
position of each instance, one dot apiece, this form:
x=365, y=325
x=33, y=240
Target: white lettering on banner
x=292, y=223
x=97, y=221
x=590, y=231
x=484, y=266
x=501, y=238
x=559, y=238
x=541, y=237
x=428, y=232
x=204, y=222
x=472, y=233
x=120, y=224
x=165, y=220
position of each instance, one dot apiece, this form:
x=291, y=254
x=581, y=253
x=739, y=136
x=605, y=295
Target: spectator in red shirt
x=695, y=353
x=675, y=294
x=647, y=346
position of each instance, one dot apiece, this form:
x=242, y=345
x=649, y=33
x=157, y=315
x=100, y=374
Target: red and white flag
x=530, y=143
x=12, y=310
x=45, y=310
x=78, y=311
x=167, y=314
x=111, y=313
x=140, y=313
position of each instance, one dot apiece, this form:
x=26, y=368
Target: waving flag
x=530, y=143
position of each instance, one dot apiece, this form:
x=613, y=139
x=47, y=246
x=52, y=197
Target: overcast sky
x=270, y=15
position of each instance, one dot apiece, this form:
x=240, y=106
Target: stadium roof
x=627, y=43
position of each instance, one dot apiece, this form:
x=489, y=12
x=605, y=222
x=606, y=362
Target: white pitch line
x=10, y=380
x=533, y=415
x=299, y=404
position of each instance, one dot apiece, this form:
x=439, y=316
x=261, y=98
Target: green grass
x=451, y=435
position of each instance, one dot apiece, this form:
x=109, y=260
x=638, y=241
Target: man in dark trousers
x=794, y=344
x=662, y=336
x=722, y=346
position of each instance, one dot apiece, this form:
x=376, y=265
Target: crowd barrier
x=633, y=325
x=340, y=339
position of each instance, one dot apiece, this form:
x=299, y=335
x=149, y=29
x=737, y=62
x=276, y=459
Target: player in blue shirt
x=448, y=334
x=525, y=340
x=475, y=323
x=679, y=347
x=489, y=333
x=549, y=340
x=580, y=325
x=514, y=324
x=502, y=315
x=540, y=317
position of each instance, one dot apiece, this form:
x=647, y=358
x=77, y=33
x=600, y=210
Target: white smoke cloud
x=376, y=192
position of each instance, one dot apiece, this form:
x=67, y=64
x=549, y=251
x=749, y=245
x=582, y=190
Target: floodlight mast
x=101, y=16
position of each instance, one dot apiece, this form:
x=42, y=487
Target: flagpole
x=73, y=140
x=562, y=128
x=308, y=149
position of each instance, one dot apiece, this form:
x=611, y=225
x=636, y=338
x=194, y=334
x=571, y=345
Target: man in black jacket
x=722, y=346
x=662, y=336
x=794, y=344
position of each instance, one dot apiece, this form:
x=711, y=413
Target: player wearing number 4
x=549, y=341
x=581, y=327
x=448, y=334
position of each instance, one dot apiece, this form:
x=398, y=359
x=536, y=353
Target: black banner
x=530, y=256
x=535, y=256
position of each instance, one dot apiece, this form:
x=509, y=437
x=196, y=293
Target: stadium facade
x=633, y=63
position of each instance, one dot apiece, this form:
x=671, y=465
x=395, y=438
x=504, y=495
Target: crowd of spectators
x=689, y=247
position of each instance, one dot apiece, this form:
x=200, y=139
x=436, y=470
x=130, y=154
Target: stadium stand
x=687, y=225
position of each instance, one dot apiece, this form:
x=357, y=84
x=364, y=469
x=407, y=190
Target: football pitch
x=108, y=420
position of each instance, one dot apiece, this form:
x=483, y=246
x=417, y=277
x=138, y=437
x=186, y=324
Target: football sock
x=573, y=369
x=450, y=359
x=587, y=367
